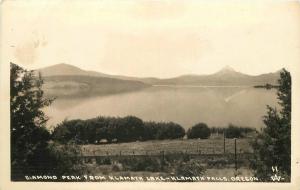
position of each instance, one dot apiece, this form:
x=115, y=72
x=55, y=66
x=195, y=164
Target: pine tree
x=272, y=148
x=31, y=152
x=29, y=137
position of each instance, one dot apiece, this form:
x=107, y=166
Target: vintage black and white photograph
x=150, y=90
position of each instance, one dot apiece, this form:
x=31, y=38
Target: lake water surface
x=216, y=106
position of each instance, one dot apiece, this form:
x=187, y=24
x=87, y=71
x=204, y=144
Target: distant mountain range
x=227, y=76
x=67, y=70
x=66, y=80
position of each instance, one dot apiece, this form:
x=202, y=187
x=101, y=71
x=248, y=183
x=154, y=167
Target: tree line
x=115, y=129
x=131, y=128
x=233, y=131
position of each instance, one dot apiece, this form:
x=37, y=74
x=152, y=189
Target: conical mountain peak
x=227, y=68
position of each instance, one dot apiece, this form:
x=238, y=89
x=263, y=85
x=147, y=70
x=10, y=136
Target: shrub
x=129, y=128
x=103, y=161
x=200, y=130
x=233, y=132
x=142, y=164
x=66, y=159
x=116, y=167
x=162, y=130
x=191, y=168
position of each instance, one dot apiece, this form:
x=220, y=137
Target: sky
x=158, y=38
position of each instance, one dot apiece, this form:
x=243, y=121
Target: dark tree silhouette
x=28, y=133
x=129, y=128
x=233, y=132
x=31, y=152
x=273, y=145
x=199, y=130
x=114, y=129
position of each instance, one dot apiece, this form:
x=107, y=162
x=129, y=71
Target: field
x=187, y=157
x=156, y=147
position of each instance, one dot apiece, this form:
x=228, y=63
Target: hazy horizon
x=227, y=67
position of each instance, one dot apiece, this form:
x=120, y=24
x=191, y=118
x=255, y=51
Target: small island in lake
x=266, y=86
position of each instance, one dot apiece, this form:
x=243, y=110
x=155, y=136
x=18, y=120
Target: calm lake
x=216, y=106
